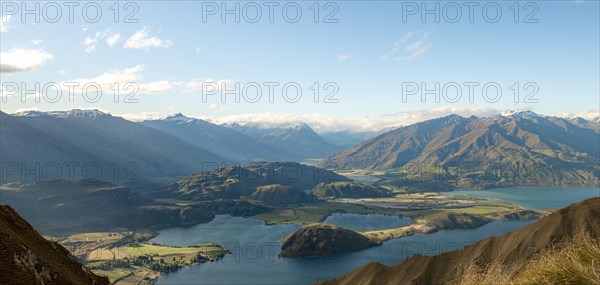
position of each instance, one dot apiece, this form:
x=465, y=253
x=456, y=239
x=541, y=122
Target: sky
x=361, y=65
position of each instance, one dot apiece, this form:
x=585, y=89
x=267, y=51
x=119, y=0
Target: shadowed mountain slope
x=90, y=137
x=28, y=258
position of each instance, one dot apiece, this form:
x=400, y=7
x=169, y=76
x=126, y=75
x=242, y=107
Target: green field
x=113, y=274
x=151, y=249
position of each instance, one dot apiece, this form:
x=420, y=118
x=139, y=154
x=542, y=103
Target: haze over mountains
x=168, y=148
x=94, y=138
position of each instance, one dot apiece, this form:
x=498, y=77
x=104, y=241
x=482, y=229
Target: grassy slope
x=575, y=261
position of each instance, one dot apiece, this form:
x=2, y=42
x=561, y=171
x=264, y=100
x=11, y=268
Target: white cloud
x=409, y=51
x=411, y=117
x=140, y=40
x=418, y=48
x=343, y=57
x=26, y=110
x=588, y=115
x=399, y=43
x=113, y=39
x=61, y=71
x=19, y=60
x=3, y=23
x=319, y=122
x=36, y=42
x=409, y=35
x=91, y=42
x=127, y=75
x=138, y=117
x=325, y=123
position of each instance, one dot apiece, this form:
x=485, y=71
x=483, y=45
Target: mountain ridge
x=549, y=150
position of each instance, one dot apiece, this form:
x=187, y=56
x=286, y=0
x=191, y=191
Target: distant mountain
x=28, y=258
x=514, y=149
x=221, y=140
x=510, y=252
x=590, y=124
x=297, y=142
x=90, y=137
x=347, y=138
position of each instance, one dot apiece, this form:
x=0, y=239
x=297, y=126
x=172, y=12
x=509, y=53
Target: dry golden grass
x=576, y=261
x=492, y=275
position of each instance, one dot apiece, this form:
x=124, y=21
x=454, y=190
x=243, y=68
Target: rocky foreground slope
x=27, y=258
x=511, y=251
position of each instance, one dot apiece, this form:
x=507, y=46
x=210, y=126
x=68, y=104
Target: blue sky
x=369, y=53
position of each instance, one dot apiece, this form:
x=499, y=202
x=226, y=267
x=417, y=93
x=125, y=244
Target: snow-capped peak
x=182, y=119
x=263, y=125
x=520, y=114
x=75, y=113
x=177, y=117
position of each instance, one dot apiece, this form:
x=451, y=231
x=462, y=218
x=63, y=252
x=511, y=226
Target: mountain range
x=516, y=149
x=250, y=142
x=90, y=144
x=511, y=149
x=93, y=140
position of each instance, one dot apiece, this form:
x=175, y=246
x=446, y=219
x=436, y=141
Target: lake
x=370, y=222
x=534, y=198
x=255, y=246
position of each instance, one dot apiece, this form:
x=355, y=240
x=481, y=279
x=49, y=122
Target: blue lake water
x=255, y=246
x=535, y=197
x=370, y=222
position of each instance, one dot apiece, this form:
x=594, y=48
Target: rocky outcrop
x=276, y=194
x=323, y=240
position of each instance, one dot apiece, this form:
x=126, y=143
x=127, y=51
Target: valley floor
x=127, y=258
